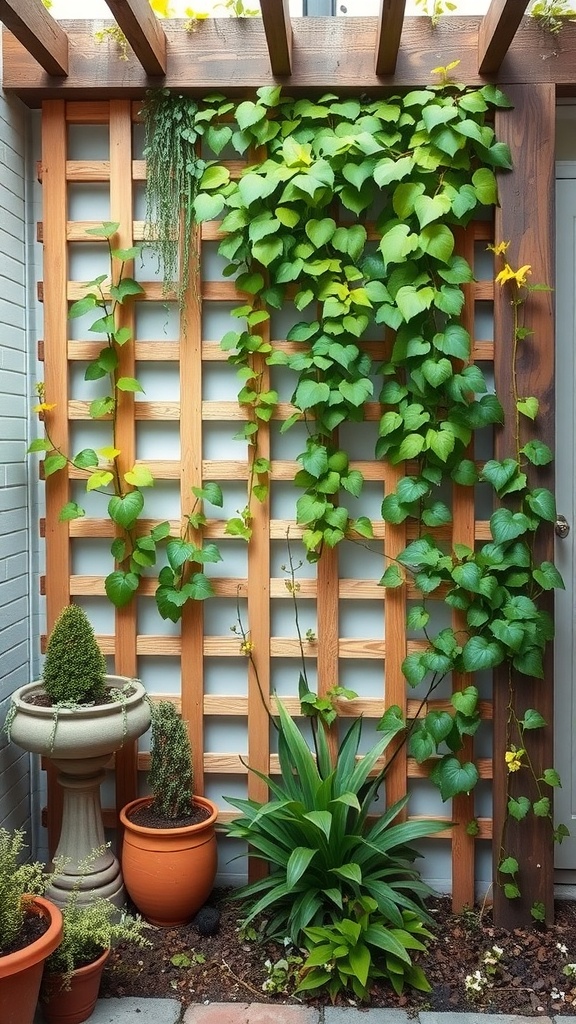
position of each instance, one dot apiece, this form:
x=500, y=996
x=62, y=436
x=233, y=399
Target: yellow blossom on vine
x=44, y=407
x=514, y=759
x=498, y=249
x=246, y=647
x=519, y=276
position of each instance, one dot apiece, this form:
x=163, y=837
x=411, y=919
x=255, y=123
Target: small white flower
x=498, y=950
x=557, y=996
x=561, y=947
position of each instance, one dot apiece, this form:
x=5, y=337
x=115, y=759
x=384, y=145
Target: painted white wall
x=15, y=522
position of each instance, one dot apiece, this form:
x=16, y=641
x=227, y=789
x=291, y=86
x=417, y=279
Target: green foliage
x=17, y=882
x=314, y=835
x=350, y=954
x=171, y=775
x=134, y=549
x=89, y=929
x=74, y=667
x=552, y=14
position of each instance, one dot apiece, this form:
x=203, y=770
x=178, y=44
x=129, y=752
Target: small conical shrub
x=74, y=668
x=171, y=775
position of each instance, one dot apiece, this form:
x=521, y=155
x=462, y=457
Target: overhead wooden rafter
x=38, y=32
x=390, y=22
x=498, y=28
x=278, y=30
x=143, y=31
x=328, y=54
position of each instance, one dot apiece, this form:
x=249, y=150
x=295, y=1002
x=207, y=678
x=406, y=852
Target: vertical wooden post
x=395, y=646
x=55, y=274
x=192, y=628
x=525, y=218
x=121, y=208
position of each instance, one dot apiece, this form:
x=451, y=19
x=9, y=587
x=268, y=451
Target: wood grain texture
x=526, y=216
x=395, y=649
x=497, y=30
x=121, y=202
x=389, y=31
x=328, y=54
x=38, y=32
x=278, y=32
x=190, y=473
x=58, y=555
x=143, y=31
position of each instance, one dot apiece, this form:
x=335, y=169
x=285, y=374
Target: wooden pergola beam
x=390, y=22
x=143, y=31
x=278, y=31
x=38, y=32
x=497, y=30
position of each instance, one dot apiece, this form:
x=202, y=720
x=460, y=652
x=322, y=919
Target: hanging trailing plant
x=174, y=175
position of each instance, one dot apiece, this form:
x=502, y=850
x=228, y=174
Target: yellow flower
x=514, y=759
x=246, y=647
x=44, y=407
x=498, y=249
x=519, y=276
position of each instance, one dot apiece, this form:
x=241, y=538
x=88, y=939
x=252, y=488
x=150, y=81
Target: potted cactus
x=77, y=715
x=169, y=854
x=30, y=930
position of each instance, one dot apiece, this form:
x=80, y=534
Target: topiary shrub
x=74, y=669
x=171, y=775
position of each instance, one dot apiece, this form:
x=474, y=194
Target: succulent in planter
x=169, y=855
x=74, y=668
x=77, y=715
x=30, y=929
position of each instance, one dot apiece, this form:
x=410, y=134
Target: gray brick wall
x=15, y=779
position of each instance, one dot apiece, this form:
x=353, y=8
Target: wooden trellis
x=129, y=646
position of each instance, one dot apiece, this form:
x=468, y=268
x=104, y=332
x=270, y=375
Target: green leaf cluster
x=315, y=836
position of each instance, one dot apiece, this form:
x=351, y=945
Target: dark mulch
x=33, y=928
x=227, y=968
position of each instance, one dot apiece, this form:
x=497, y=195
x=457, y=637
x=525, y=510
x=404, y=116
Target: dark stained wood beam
x=278, y=31
x=499, y=26
x=390, y=22
x=328, y=54
x=38, y=32
x=143, y=32
x=525, y=217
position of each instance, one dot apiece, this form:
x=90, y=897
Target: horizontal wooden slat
x=329, y=53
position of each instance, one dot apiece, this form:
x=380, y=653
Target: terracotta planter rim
x=142, y=801
x=51, y=977
x=39, y=950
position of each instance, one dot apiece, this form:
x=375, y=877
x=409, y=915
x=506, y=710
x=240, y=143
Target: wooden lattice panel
x=190, y=356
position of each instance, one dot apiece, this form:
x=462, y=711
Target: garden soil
x=226, y=967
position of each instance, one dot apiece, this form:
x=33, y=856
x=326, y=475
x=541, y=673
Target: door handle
x=561, y=527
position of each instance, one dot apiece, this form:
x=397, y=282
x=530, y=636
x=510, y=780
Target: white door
x=565, y=718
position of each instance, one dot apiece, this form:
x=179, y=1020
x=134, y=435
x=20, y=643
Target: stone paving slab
x=249, y=1013
x=133, y=1010
x=375, y=1015
x=473, y=1017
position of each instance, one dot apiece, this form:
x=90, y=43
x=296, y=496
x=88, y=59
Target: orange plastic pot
x=21, y=972
x=169, y=873
x=75, y=1004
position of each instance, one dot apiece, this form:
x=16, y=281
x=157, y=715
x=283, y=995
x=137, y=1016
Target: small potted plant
x=77, y=715
x=73, y=971
x=30, y=930
x=169, y=854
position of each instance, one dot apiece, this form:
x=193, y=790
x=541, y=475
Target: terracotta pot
x=75, y=1004
x=21, y=972
x=169, y=872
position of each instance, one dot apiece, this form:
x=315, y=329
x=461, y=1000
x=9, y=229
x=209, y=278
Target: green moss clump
x=74, y=669
x=171, y=775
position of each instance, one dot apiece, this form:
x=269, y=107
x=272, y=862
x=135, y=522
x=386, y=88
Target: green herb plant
x=552, y=14
x=74, y=668
x=18, y=885
x=171, y=775
x=134, y=547
x=324, y=856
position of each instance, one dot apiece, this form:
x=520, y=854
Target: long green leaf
x=297, y=863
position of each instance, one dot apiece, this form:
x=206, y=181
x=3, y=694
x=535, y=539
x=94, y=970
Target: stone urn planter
x=80, y=741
